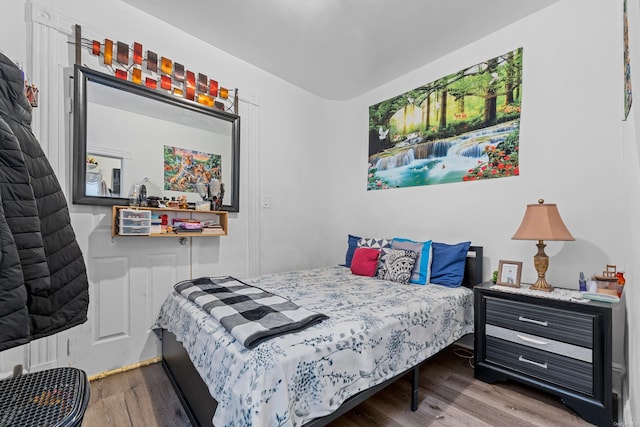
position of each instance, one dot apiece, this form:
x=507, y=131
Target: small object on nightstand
x=621, y=282
x=609, y=275
x=582, y=282
x=598, y=296
x=608, y=281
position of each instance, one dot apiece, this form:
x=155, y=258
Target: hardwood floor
x=449, y=396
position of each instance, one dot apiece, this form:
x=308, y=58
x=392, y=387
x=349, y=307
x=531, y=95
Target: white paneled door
x=129, y=278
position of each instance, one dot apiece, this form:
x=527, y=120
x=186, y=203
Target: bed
x=377, y=331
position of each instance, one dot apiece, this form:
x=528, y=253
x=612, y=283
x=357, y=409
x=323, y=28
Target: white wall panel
x=110, y=300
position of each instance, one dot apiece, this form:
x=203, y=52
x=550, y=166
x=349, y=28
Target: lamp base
x=541, y=285
x=541, y=262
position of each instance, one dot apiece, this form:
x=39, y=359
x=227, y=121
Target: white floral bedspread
x=376, y=329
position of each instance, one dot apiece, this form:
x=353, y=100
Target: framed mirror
x=125, y=134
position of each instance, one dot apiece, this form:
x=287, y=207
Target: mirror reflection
x=126, y=134
x=103, y=175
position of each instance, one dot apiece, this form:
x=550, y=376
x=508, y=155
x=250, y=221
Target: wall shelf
x=172, y=213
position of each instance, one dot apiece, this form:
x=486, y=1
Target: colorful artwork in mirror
x=184, y=169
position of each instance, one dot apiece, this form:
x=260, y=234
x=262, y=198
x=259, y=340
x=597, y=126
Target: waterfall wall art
x=462, y=127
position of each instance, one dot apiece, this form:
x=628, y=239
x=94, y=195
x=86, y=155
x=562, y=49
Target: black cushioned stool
x=53, y=398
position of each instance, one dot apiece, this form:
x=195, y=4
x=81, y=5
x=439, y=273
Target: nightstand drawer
x=562, y=325
x=566, y=372
x=541, y=343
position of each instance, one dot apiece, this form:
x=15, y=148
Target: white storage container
x=138, y=230
x=134, y=222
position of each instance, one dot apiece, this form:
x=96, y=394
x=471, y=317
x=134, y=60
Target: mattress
x=376, y=329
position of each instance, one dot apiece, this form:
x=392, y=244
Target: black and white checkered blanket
x=250, y=314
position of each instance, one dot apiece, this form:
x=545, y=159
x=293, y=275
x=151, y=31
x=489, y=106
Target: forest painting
x=462, y=127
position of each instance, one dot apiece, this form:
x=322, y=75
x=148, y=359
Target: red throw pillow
x=365, y=261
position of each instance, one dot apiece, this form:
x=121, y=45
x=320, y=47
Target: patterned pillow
x=422, y=270
x=398, y=265
x=383, y=245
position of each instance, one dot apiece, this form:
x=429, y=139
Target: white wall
x=13, y=34
x=630, y=186
x=570, y=150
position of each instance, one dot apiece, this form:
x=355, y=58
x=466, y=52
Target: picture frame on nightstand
x=509, y=273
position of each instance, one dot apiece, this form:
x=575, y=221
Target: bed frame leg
x=415, y=379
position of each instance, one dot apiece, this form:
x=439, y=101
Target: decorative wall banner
x=461, y=127
x=627, y=64
x=184, y=169
x=164, y=74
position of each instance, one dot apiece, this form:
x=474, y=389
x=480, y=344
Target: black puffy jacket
x=52, y=269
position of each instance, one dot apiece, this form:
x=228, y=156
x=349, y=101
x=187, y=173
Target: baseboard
x=126, y=368
x=618, y=372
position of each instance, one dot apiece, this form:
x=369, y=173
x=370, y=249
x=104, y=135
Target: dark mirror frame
x=81, y=76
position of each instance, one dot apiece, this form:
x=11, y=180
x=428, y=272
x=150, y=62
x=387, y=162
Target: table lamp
x=542, y=222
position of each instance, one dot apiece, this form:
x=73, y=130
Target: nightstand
x=559, y=346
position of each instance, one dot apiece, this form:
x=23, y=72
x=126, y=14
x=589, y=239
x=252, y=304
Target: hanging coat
x=53, y=269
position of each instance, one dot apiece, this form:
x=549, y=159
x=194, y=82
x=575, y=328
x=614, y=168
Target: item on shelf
x=187, y=230
x=133, y=198
x=181, y=225
x=183, y=204
x=134, y=222
x=172, y=203
x=203, y=205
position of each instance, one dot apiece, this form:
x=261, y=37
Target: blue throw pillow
x=422, y=268
x=447, y=268
x=353, y=244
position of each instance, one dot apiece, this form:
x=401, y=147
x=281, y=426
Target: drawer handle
x=531, y=340
x=538, y=364
x=537, y=322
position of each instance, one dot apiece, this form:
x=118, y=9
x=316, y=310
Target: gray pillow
x=415, y=247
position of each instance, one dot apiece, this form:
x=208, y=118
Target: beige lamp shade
x=542, y=222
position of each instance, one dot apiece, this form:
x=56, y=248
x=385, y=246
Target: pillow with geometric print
x=383, y=245
x=398, y=265
x=422, y=269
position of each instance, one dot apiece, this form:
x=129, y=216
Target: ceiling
x=339, y=49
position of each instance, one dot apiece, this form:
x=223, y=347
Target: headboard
x=473, y=267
